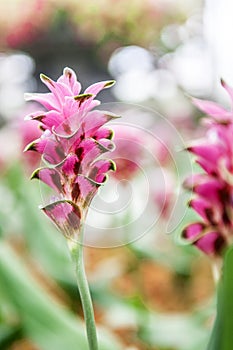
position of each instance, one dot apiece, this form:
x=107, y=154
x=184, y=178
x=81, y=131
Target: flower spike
x=73, y=139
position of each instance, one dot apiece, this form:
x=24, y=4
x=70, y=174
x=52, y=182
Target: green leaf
x=48, y=324
x=222, y=333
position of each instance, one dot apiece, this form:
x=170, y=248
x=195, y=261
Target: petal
x=203, y=208
x=228, y=89
x=88, y=151
x=97, y=87
x=46, y=99
x=50, y=119
x=107, y=145
x=51, y=150
x=195, y=179
x=208, y=156
x=66, y=215
x=84, y=190
x=193, y=230
x=59, y=90
x=71, y=165
x=50, y=177
x=207, y=151
x=211, y=244
x=100, y=168
x=212, y=109
x=103, y=133
x=82, y=98
x=94, y=120
x=209, y=190
x=69, y=77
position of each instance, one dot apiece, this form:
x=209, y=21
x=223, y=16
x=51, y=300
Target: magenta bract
x=73, y=139
x=213, y=188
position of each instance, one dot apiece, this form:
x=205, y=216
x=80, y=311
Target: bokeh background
x=150, y=290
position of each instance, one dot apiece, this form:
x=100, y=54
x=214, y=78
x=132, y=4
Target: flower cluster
x=213, y=188
x=72, y=141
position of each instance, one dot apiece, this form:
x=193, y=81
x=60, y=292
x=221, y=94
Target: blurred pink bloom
x=28, y=134
x=21, y=28
x=164, y=194
x=128, y=153
x=213, y=189
x=73, y=138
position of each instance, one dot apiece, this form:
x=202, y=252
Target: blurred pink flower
x=213, y=189
x=28, y=134
x=128, y=153
x=73, y=138
x=164, y=194
x=21, y=27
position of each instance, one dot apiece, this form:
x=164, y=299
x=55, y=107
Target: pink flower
x=164, y=195
x=72, y=141
x=128, y=153
x=213, y=189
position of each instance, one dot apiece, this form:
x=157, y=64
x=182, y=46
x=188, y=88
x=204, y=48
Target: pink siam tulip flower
x=213, y=189
x=72, y=141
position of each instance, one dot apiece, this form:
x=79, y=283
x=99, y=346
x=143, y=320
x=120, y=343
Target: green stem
x=76, y=250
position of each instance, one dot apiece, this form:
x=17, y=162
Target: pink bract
x=73, y=139
x=213, y=188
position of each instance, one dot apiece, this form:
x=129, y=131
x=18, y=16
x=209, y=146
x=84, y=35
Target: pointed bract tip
x=68, y=71
x=223, y=83
x=45, y=79
x=184, y=233
x=109, y=83
x=35, y=174
x=112, y=165
x=82, y=97
x=112, y=116
x=30, y=147
x=111, y=134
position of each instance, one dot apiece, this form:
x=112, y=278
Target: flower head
x=213, y=188
x=72, y=141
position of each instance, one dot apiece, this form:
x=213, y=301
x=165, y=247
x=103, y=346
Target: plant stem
x=76, y=249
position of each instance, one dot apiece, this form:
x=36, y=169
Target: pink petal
x=212, y=109
x=208, y=156
x=97, y=87
x=103, y=133
x=100, y=168
x=50, y=177
x=212, y=243
x=94, y=120
x=203, y=208
x=207, y=151
x=66, y=215
x=84, y=190
x=195, y=179
x=192, y=231
x=46, y=99
x=209, y=190
x=71, y=165
x=107, y=145
x=49, y=119
x=69, y=77
x=51, y=150
x=51, y=85
x=228, y=89
x=88, y=151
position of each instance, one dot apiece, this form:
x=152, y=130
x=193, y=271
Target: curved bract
x=73, y=139
x=213, y=188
